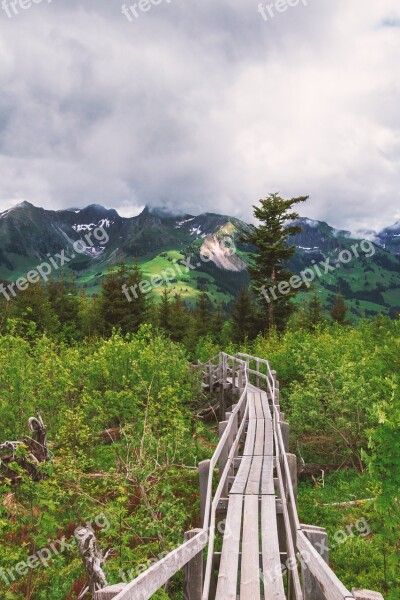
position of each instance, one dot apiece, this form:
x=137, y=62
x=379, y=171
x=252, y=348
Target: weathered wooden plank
x=250, y=438
x=228, y=570
x=193, y=573
x=333, y=588
x=265, y=405
x=250, y=575
x=267, y=478
x=242, y=476
x=271, y=558
x=254, y=480
x=259, y=441
x=252, y=405
x=157, y=575
x=268, y=438
x=258, y=406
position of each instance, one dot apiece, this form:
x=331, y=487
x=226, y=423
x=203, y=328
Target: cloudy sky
x=203, y=105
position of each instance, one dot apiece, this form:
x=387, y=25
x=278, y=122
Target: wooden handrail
x=297, y=543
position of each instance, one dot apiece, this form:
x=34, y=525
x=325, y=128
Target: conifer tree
x=339, y=310
x=64, y=300
x=203, y=313
x=269, y=266
x=242, y=316
x=123, y=304
x=179, y=320
x=164, y=311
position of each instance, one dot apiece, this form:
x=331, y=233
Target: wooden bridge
x=252, y=545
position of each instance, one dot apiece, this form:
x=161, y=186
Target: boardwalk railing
x=264, y=475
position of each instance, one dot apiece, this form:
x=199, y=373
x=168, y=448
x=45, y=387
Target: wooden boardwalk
x=248, y=507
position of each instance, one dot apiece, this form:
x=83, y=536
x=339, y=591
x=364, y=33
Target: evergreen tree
x=203, y=312
x=310, y=314
x=217, y=323
x=339, y=310
x=242, y=316
x=269, y=263
x=65, y=303
x=179, y=320
x=164, y=311
x=123, y=304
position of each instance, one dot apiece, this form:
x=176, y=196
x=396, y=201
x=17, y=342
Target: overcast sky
x=203, y=105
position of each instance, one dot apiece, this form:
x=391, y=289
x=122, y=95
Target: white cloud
x=203, y=106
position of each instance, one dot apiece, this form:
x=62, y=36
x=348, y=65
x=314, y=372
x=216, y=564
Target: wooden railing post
x=258, y=370
x=223, y=456
x=193, y=572
x=233, y=374
x=285, y=428
x=292, y=462
x=211, y=375
x=319, y=539
x=204, y=472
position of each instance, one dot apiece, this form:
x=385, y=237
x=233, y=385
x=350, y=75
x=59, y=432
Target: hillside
x=30, y=235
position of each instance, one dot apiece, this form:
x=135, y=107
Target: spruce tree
x=339, y=310
x=164, y=311
x=269, y=267
x=179, y=320
x=203, y=312
x=125, y=310
x=242, y=316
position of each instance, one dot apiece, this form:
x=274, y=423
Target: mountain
x=160, y=241
x=389, y=238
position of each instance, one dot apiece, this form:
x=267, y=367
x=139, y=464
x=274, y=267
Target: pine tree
x=203, y=313
x=217, y=323
x=164, y=311
x=123, y=304
x=269, y=263
x=179, y=320
x=242, y=316
x=64, y=300
x=339, y=310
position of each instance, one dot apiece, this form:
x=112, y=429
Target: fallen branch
x=93, y=560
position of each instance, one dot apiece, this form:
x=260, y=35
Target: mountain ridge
x=155, y=237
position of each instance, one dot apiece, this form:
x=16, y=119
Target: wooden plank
x=271, y=558
x=259, y=441
x=228, y=570
x=265, y=405
x=268, y=438
x=242, y=476
x=157, y=575
x=254, y=480
x=252, y=406
x=250, y=438
x=258, y=406
x=333, y=588
x=267, y=479
x=250, y=575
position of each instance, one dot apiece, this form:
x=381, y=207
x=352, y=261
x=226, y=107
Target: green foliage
x=269, y=266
